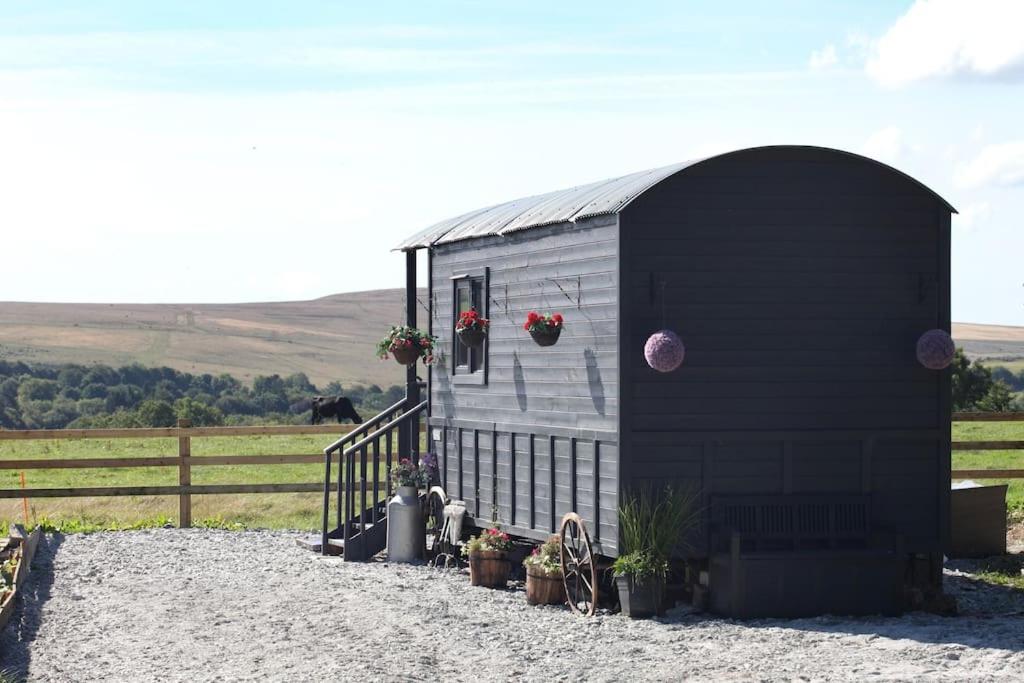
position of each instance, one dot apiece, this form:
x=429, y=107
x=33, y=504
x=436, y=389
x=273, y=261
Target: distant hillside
x=331, y=338
x=991, y=343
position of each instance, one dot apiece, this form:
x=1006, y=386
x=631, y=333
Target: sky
x=191, y=151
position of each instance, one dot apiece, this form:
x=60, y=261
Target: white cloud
x=885, y=145
x=951, y=39
x=1000, y=164
x=824, y=58
x=972, y=215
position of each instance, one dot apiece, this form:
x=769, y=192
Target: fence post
x=184, y=476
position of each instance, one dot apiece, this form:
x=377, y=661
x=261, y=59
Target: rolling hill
x=331, y=338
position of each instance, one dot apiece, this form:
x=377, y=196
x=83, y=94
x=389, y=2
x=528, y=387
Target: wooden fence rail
x=184, y=461
x=988, y=446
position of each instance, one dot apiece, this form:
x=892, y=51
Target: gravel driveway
x=199, y=605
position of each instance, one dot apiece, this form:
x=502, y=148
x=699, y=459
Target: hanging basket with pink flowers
x=407, y=345
x=545, y=329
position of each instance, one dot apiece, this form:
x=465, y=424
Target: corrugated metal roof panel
x=577, y=203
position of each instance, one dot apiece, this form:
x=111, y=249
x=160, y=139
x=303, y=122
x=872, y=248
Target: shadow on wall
x=444, y=384
x=16, y=639
x=594, y=380
x=520, y=381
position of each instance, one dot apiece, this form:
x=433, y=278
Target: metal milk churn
x=405, y=526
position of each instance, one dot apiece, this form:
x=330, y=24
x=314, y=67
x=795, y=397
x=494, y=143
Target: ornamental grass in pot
x=652, y=525
x=472, y=328
x=545, y=329
x=544, y=582
x=407, y=345
x=488, y=558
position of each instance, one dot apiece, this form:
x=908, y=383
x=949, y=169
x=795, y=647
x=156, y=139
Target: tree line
x=45, y=396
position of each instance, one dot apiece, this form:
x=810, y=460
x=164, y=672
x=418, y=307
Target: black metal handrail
x=363, y=428
x=348, y=457
x=404, y=417
x=347, y=480
x=358, y=431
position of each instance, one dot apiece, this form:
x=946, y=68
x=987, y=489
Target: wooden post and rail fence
x=184, y=461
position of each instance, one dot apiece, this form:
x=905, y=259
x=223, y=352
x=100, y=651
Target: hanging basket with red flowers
x=407, y=345
x=545, y=329
x=472, y=328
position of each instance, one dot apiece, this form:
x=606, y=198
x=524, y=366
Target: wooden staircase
x=358, y=530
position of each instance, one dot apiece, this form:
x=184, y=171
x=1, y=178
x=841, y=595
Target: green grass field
x=278, y=510
x=263, y=510
x=993, y=431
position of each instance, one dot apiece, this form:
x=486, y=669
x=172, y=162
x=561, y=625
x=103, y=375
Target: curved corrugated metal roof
x=577, y=203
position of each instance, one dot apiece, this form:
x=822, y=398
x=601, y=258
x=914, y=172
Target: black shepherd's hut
x=799, y=280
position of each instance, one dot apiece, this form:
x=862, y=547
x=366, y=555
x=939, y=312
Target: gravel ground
x=202, y=605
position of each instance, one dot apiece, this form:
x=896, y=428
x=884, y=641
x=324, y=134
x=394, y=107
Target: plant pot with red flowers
x=488, y=558
x=545, y=329
x=407, y=345
x=544, y=584
x=472, y=328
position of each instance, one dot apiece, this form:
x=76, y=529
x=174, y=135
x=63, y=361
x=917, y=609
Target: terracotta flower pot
x=472, y=337
x=489, y=568
x=548, y=337
x=406, y=355
x=544, y=589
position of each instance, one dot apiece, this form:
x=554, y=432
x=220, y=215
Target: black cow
x=334, y=406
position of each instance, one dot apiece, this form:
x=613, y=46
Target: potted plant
x=488, y=558
x=406, y=526
x=407, y=345
x=472, y=328
x=544, y=585
x=651, y=526
x=545, y=329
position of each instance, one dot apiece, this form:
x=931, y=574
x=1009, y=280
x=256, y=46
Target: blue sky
x=197, y=151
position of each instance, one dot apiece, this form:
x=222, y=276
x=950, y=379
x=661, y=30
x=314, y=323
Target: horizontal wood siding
x=799, y=285
x=569, y=392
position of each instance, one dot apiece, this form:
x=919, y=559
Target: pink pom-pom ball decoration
x=664, y=351
x=935, y=349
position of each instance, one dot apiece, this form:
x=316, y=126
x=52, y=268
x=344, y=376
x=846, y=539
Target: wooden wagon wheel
x=579, y=571
x=433, y=515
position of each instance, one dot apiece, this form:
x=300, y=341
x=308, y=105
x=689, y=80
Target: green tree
x=199, y=414
x=974, y=387
x=33, y=389
x=71, y=376
x=971, y=382
x=999, y=399
x=123, y=396
x=156, y=413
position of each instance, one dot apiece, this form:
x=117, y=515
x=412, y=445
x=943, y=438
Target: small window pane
x=463, y=303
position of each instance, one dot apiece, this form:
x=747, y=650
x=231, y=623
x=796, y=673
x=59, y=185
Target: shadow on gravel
x=16, y=639
x=990, y=615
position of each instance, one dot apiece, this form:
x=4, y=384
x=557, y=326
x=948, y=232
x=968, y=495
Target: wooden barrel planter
x=21, y=547
x=489, y=568
x=544, y=589
x=473, y=338
x=406, y=355
x=546, y=338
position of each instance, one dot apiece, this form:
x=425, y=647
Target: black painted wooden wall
x=799, y=281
